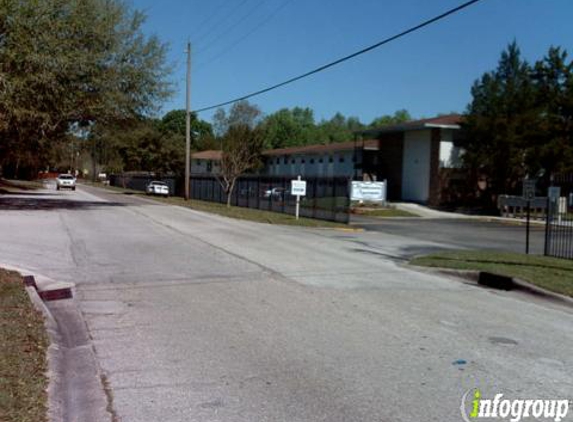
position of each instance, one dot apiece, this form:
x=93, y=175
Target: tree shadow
x=42, y=202
x=5, y=192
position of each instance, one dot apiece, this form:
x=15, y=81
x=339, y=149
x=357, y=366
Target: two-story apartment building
x=413, y=157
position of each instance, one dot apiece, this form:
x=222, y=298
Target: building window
x=302, y=160
x=312, y=161
x=285, y=161
x=292, y=161
x=320, y=160
x=341, y=159
x=330, y=158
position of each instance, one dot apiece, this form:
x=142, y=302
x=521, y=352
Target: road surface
x=462, y=233
x=196, y=317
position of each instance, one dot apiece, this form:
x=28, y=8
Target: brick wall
x=390, y=163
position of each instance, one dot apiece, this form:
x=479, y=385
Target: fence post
x=258, y=192
x=284, y=194
x=236, y=192
x=314, y=197
x=270, y=194
x=546, y=249
x=348, y=201
x=334, y=199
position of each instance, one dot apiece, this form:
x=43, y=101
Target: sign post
x=298, y=189
x=528, y=195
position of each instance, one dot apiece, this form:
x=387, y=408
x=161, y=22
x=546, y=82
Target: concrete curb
x=477, y=278
x=53, y=356
x=75, y=391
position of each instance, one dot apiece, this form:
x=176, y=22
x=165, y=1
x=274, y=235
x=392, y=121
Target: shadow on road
x=5, y=192
x=42, y=202
x=403, y=254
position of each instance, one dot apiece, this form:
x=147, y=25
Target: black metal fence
x=326, y=198
x=559, y=227
x=138, y=181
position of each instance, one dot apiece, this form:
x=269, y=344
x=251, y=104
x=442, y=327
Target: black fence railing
x=559, y=227
x=559, y=236
x=326, y=198
x=139, y=181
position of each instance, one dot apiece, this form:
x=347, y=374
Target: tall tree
x=241, y=152
x=174, y=123
x=500, y=122
x=551, y=149
x=399, y=116
x=241, y=113
x=137, y=145
x=66, y=63
x=289, y=127
x=338, y=129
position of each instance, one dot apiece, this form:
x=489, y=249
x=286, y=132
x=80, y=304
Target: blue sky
x=244, y=45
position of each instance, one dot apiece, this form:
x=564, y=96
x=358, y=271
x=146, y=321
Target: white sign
x=298, y=187
x=528, y=189
x=368, y=191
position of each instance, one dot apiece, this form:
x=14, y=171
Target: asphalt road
x=462, y=233
x=196, y=317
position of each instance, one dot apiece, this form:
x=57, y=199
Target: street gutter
x=76, y=391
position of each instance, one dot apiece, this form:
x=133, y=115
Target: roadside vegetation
x=10, y=186
x=23, y=344
x=241, y=213
x=549, y=273
x=382, y=212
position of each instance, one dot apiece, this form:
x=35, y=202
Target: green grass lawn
x=383, y=212
x=549, y=273
x=250, y=214
x=23, y=344
x=241, y=213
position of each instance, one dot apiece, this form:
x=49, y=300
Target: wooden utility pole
x=188, y=126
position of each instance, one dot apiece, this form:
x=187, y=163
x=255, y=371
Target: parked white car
x=66, y=181
x=275, y=193
x=157, y=188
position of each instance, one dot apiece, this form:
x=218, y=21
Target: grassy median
x=23, y=344
x=241, y=213
x=549, y=273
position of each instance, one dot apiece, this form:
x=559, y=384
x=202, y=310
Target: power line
x=232, y=27
x=268, y=18
x=345, y=58
x=206, y=20
x=217, y=24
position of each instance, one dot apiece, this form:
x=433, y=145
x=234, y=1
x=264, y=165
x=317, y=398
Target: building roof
x=319, y=148
x=449, y=121
x=210, y=154
x=307, y=149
